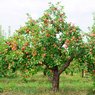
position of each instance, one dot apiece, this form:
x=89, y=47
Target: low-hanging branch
x=65, y=65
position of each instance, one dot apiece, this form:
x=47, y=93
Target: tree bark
x=83, y=73
x=55, y=80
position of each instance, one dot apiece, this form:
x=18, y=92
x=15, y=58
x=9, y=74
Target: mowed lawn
x=39, y=85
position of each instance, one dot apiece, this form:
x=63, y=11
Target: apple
x=23, y=48
x=73, y=38
x=34, y=53
x=27, y=30
x=48, y=35
x=93, y=71
x=92, y=35
x=67, y=41
x=46, y=21
x=26, y=44
x=26, y=53
x=44, y=55
x=44, y=48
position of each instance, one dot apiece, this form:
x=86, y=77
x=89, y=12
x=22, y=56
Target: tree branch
x=63, y=68
x=62, y=43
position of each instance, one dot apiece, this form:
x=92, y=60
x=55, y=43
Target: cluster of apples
x=13, y=45
x=27, y=31
x=24, y=46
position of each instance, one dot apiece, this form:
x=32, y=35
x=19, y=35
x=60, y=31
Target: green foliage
x=90, y=55
x=47, y=42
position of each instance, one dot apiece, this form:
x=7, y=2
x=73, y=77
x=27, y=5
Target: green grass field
x=39, y=85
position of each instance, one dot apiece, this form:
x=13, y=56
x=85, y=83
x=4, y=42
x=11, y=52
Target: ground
x=39, y=85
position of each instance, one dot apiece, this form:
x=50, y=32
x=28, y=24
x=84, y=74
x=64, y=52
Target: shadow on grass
x=91, y=92
x=1, y=90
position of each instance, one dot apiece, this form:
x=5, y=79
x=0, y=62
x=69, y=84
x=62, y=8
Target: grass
x=39, y=85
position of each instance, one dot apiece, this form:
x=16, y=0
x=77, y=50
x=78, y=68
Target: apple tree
x=48, y=43
x=54, y=42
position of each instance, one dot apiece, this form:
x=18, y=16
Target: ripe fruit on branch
x=27, y=30
x=77, y=40
x=23, y=48
x=26, y=44
x=14, y=48
x=93, y=71
x=34, y=53
x=44, y=48
x=8, y=43
x=67, y=33
x=70, y=31
x=73, y=38
x=67, y=41
x=65, y=46
x=90, y=52
x=44, y=55
x=26, y=53
x=28, y=56
x=13, y=45
x=48, y=35
x=46, y=21
x=92, y=35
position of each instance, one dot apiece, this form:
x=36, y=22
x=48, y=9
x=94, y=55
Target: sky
x=13, y=12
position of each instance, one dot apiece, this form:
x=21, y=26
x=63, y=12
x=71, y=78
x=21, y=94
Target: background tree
x=91, y=43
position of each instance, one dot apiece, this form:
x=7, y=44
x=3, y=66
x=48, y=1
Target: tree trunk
x=83, y=73
x=55, y=80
